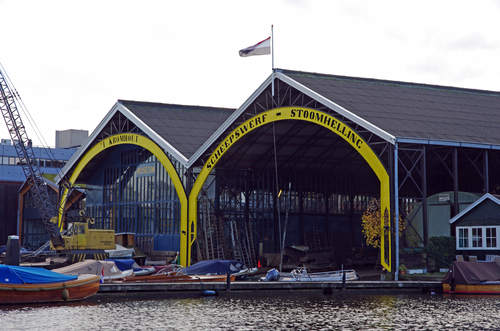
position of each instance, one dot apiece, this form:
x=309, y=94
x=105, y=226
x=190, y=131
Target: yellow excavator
x=80, y=237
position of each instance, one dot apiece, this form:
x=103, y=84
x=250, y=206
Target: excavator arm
x=9, y=99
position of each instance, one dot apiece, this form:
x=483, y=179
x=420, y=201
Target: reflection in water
x=342, y=310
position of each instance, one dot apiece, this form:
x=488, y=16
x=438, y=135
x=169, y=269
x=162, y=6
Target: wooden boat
x=484, y=288
x=203, y=271
x=301, y=275
x=36, y=285
x=82, y=287
x=177, y=277
x=466, y=277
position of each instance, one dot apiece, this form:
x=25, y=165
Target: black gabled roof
x=184, y=127
x=410, y=110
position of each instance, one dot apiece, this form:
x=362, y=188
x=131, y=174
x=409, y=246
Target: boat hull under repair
x=82, y=287
x=472, y=289
x=467, y=277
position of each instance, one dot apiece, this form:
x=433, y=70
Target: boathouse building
x=295, y=165
x=477, y=228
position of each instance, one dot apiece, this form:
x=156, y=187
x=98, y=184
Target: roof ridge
x=393, y=82
x=172, y=105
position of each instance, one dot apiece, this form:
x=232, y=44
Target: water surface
x=272, y=311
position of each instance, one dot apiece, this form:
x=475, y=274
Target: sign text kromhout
x=122, y=138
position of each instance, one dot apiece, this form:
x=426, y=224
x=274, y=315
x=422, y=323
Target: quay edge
x=425, y=286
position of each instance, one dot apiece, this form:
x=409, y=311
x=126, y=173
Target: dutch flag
x=260, y=48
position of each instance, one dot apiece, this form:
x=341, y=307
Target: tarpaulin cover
x=105, y=269
x=27, y=275
x=125, y=264
x=468, y=273
x=214, y=267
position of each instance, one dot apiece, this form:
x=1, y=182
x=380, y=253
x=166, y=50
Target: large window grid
x=44, y=163
x=477, y=237
x=137, y=196
x=491, y=237
x=463, y=238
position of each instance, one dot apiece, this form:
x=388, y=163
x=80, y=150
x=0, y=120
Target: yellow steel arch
x=146, y=143
x=305, y=114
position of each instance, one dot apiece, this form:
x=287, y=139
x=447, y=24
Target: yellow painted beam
x=309, y=115
x=148, y=144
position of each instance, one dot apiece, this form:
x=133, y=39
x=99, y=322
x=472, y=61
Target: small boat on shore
x=214, y=267
x=466, y=277
x=176, y=276
x=203, y=271
x=106, y=270
x=38, y=285
x=301, y=275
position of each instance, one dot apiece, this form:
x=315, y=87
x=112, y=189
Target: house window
x=477, y=237
x=491, y=237
x=463, y=238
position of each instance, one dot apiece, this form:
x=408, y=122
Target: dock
x=425, y=286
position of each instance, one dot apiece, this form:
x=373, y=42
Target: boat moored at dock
x=37, y=285
x=473, y=278
x=301, y=275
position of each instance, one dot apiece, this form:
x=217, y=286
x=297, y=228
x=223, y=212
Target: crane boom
x=24, y=149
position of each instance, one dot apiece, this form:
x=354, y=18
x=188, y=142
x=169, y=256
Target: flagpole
x=272, y=60
x=272, y=47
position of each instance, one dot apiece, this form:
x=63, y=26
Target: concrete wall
x=71, y=138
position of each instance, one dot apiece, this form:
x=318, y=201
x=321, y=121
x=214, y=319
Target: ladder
x=242, y=242
x=213, y=243
x=249, y=245
x=235, y=241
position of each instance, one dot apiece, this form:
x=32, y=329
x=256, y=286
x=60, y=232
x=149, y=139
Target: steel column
x=396, y=210
x=455, y=182
x=486, y=171
x=425, y=219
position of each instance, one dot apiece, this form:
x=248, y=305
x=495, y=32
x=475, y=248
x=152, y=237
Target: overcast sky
x=71, y=60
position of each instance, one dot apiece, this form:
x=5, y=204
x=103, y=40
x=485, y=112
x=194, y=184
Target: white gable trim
x=153, y=135
x=319, y=98
x=337, y=108
x=473, y=205
x=79, y=152
x=230, y=120
x=118, y=107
